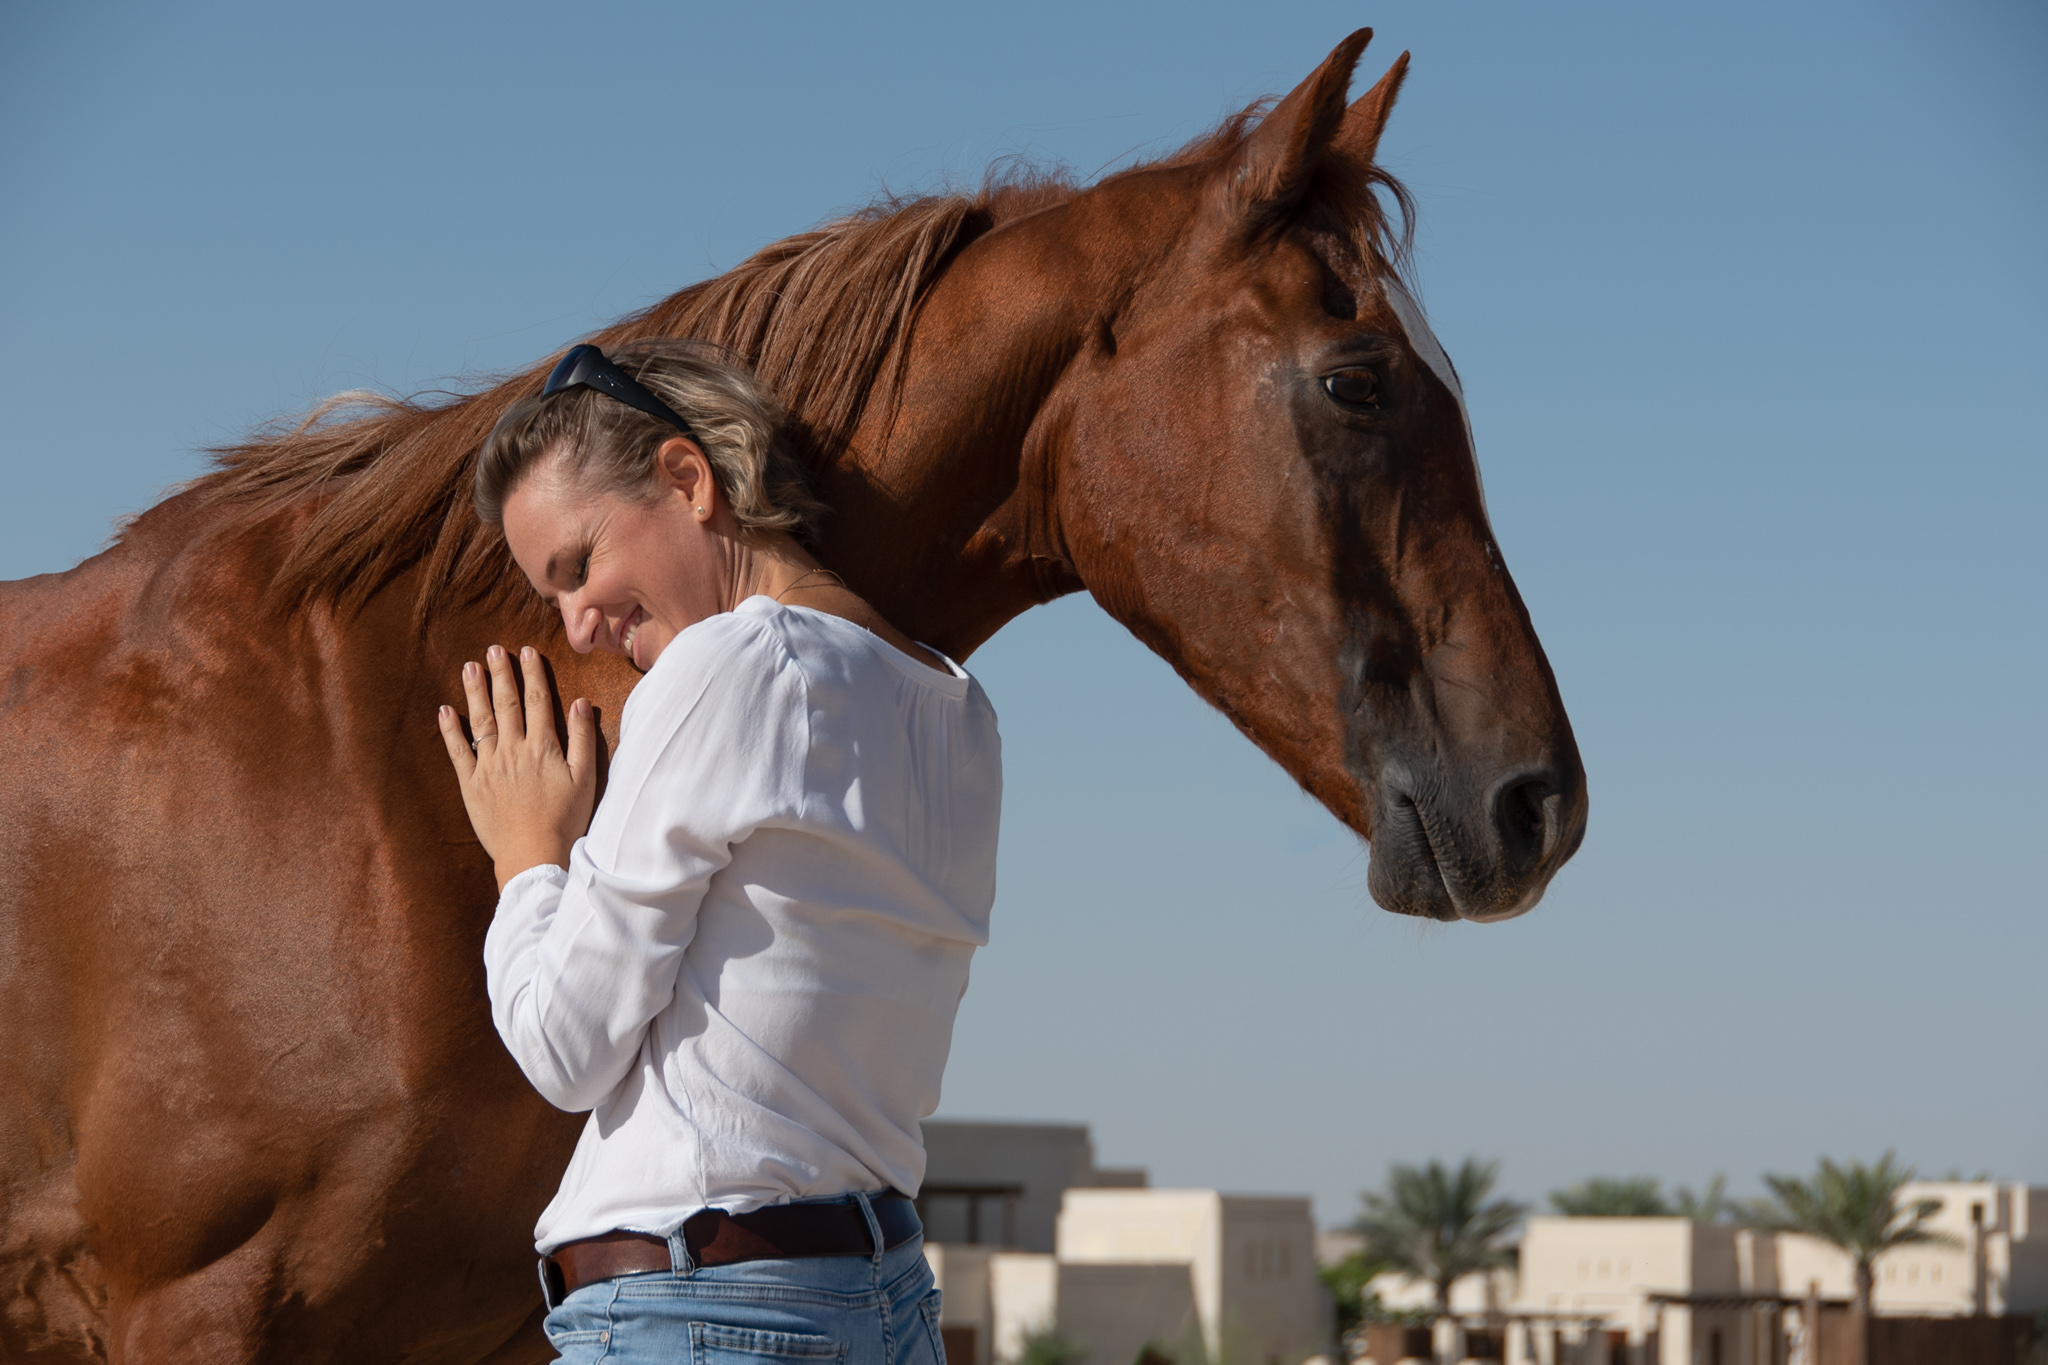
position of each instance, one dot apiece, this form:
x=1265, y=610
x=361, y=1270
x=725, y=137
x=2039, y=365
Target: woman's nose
x=581, y=625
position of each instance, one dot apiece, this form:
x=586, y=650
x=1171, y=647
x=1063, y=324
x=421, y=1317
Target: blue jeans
x=879, y=1309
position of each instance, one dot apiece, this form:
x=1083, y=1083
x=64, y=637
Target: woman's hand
x=528, y=801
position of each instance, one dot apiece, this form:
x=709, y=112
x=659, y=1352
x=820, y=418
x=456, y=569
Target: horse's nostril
x=1522, y=814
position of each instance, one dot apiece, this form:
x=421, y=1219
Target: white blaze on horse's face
x=1424, y=343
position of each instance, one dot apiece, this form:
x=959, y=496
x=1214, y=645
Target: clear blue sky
x=1752, y=306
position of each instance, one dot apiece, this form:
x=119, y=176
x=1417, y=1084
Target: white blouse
x=749, y=971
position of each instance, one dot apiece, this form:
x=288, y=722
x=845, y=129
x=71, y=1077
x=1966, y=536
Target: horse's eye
x=1353, y=388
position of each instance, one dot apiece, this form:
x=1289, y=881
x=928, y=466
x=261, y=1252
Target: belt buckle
x=553, y=1288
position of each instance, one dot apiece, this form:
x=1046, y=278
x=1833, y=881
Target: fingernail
x=469, y=669
x=527, y=653
x=497, y=653
x=441, y=714
x=582, y=707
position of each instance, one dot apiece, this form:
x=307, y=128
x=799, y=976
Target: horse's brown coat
x=254, y=1108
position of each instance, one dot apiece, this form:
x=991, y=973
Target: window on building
x=981, y=1215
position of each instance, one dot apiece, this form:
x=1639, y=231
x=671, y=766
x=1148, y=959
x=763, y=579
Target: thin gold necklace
x=809, y=574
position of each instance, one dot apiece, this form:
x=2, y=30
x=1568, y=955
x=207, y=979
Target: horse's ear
x=1278, y=160
x=1359, y=134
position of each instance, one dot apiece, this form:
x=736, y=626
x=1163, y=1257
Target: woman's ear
x=680, y=463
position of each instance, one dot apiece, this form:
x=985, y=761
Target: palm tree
x=1854, y=1207
x=1605, y=1197
x=1704, y=1208
x=1437, y=1224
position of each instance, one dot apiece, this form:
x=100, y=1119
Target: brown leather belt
x=715, y=1237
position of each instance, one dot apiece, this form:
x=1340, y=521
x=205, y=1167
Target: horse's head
x=1196, y=389
x=1261, y=464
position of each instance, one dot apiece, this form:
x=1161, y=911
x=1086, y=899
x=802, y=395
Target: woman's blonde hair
x=608, y=447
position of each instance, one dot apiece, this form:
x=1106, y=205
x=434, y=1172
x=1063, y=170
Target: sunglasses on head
x=587, y=366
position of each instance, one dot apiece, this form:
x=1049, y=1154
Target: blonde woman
x=746, y=968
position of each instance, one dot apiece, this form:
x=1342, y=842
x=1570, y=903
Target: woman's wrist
x=524, y=860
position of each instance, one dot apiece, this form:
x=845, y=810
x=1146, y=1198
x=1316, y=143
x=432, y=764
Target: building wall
x=1756, y=1262
x=962, y=1273
x=1114, y=1311
x=1274, y=1304
x=2028, y=1252
x=1110, y=1311
x=1252, y=1260
x=1108, y=1226
x=1611, y=1266
x=1608, y=1265
x=1024, y=1292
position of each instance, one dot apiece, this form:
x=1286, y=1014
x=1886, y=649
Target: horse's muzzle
x=1446, y=851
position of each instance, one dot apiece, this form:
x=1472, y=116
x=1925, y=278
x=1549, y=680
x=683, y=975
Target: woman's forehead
x=551, y=488
x=548, y=512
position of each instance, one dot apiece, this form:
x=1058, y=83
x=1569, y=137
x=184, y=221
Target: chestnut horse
x=255, y=1109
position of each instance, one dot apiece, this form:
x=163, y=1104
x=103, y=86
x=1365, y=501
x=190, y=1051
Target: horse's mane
x=817, y=317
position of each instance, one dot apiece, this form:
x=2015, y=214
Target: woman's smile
x=633, y=622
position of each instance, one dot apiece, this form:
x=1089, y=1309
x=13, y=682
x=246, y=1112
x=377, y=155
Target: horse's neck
x=943, y=514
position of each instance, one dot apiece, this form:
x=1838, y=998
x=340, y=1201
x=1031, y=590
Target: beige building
x=1593, y=1290
x=1026, y=1234
x=1997, y=1264
x=967, y=1302
x=1113, y=1312
x=1668, y=1291
x=1251, y=1260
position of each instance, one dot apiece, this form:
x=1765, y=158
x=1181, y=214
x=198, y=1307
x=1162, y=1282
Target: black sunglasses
x=587, y=366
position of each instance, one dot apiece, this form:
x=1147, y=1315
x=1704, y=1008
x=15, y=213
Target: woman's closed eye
x=556, y=574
